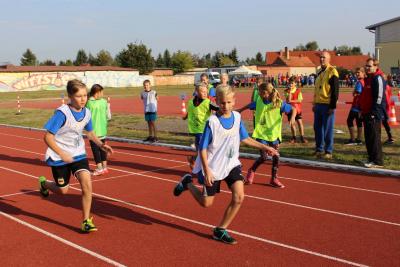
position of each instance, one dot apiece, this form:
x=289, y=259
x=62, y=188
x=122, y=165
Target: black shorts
x=354, y=115
x=298, y=116
x=61, y=174
x=234, y=175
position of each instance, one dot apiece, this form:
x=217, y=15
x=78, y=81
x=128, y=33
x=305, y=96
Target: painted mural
x=10, y=82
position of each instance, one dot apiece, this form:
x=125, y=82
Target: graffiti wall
x=31, y=81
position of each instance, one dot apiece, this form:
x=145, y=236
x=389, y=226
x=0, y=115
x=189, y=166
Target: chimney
x=280, y=53
x=287, y=53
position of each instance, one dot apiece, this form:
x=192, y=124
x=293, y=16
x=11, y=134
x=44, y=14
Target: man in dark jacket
x=373, y=105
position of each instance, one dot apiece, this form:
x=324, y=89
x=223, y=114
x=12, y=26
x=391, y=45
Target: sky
x=57, y=29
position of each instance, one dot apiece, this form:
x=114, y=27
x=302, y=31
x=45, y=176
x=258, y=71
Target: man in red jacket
x=373, y=105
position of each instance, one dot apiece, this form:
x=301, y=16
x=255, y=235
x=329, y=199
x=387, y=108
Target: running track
x=322, y=218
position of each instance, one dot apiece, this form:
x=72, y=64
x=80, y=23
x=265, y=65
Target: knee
x=206, y=203
x=238, y=199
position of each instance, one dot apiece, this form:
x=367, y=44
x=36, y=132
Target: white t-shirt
x=149, y=101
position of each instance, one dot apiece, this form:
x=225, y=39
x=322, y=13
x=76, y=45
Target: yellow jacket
x=322, y=92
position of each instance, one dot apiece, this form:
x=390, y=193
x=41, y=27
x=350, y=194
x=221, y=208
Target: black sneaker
x=148, y=139
x=222, y=235
x=358, y=142
x=154, y=140
x=390, y=141
x=43, y=191
x=350, y=142
x=182, y=185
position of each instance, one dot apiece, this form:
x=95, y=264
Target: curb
x=302, y=162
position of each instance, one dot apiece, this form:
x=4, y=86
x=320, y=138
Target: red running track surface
x=321, y=218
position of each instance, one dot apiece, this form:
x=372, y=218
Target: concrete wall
x=174, y=80
x=389, y=55
x=31, y=81
x=302, y=70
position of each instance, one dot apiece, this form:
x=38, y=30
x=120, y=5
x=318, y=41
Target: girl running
x=268, y=131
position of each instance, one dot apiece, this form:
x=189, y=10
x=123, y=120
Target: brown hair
x=74, y=85
x=95, y=89
x=360, y=69
x=146, y=81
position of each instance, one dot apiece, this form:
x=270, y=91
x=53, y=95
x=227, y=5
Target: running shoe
x=222, y=235
x=390, y=141
x=350, y=142
x=249, y=177
x=182, y=185
x=372, y=165
x=88, y=226
x=276, y=183
x=43, y=191
x=98, y=172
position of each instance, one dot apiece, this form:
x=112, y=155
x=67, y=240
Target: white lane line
x=252, y=197
x=287, y=178
x=62, y=240
x=264, y=240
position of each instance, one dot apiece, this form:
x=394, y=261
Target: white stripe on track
x=250, y=196
x=264, y=240
x=62, y=240
x=283, y=177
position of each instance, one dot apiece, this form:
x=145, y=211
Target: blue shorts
x=150, y=116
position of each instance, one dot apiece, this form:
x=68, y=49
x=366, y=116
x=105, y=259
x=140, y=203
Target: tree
x=312, y=46
x=48, y=62
x=167, y=58
x=136, y=56
x=345, y=50
x=92, y=60
x=233, y=55
x=104, y=58
x=226, y=61
x=181, y=61
x=68, y=62
x=159, y=61
x=28, y=58
x=81, y=58
x=300, y=47
x=259, y=59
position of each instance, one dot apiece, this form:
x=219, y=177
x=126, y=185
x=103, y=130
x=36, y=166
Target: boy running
x=219, y=160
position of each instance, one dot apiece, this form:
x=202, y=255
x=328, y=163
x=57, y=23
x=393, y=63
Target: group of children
x=355, y=111
x=219, y=130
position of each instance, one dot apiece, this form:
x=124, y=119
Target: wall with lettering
x=34, y=81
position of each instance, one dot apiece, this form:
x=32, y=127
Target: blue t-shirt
x=358, y=89
x=57, y=121
x=212, y=92
x=227, y=123
x=285, y=108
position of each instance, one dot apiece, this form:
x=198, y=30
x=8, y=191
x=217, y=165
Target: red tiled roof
x=294, y=61
x=347, y=62
x=12, y=68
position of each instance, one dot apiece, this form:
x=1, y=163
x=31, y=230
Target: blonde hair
x=274, y=95
x=224, y=90
x=201, y=85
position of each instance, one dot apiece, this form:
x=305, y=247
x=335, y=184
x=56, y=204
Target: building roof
x=294, y=61
x=298, y=59
x=12, y=68
x=374, y=26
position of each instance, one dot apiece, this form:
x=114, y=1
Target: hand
x=271, y=151
x=67, y=158
x=107, y=149
x=209, y=178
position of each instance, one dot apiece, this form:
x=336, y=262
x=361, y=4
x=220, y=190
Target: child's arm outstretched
x=92, y=137
x=244, y=108
x=50, y=141
x=253, y=143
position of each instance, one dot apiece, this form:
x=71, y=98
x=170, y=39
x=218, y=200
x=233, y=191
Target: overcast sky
x=56, y=29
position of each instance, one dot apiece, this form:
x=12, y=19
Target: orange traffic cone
x=392, y=117
x=183, y=110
